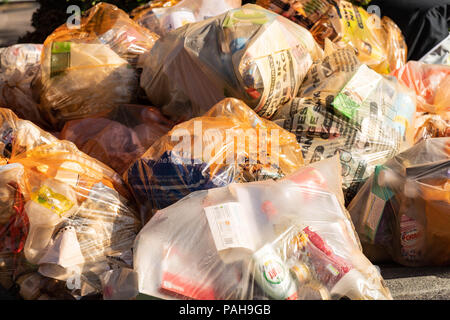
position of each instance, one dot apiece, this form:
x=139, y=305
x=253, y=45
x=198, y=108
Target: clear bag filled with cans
x=19, y=70
x=249, y=53
x=65, y=213
x=230, y=143
x=379, y=43
x=118, y=137
x=347, y=108
x=91, y=68
x=290, y=239
x=403, y=209
x=431, y=84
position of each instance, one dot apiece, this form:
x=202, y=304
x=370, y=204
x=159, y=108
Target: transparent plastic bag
x=432, y=86
x=174, y=14
x=345, y=107
x=379, y=43
x=230, y=143
x=144, y=15
x=80, y=222
x=403, y=209
x=248, y=53
x=19, y=67
x=91, y=69
x=291, y=239
x=119, y=137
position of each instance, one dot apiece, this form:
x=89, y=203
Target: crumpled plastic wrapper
x=249, y=53
x=230, y=143
x=403, y=209
x=119, y=137
x=344, y=107
x=64, y=212
x=92, y=69
x=269, y=240
x=19, y=68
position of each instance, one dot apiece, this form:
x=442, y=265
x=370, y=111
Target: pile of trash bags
x=209, y=150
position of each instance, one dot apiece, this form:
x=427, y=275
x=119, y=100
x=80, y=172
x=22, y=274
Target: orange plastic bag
x=91, y=69
x=432, y=86
x=119, y=137
x=230, y=143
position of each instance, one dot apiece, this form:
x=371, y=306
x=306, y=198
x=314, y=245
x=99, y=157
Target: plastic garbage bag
x=440, y=54
x=432, y=86
x=119, y=137
x=379, y=43
x=91, y=69
x=80, y=223
x=19, y=67
x=304, y=12
x=403, y=209
x=174, y=14
x=345, y=107
x=238, y=54
x=291, y=239
x=145, y=16
x=230, y=143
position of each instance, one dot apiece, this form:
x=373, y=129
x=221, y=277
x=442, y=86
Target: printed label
x=51, y=200
x=60, y=58
x=377, y=201
x=411, y=238
x=226, y=227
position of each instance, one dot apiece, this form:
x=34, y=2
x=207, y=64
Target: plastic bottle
x=48, y=206
x=272, y=274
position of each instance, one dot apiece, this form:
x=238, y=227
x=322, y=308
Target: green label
x=236, y=16
x=384, y=193
x=60, y=58
x=345, y=105
x=61, y=47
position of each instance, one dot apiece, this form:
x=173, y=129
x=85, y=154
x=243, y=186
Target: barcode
x=228, y=241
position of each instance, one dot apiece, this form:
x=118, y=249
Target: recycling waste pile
x=211, y=150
